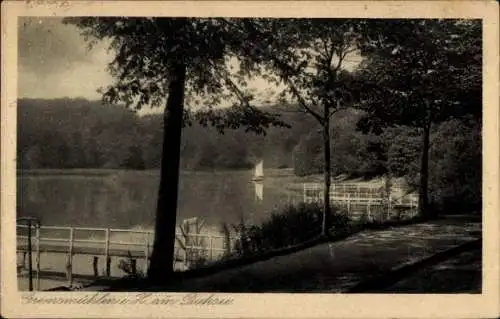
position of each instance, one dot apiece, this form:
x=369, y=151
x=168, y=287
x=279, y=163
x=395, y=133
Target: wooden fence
x=109, y=242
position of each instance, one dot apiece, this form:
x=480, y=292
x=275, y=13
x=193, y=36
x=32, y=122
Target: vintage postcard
x=250, y=159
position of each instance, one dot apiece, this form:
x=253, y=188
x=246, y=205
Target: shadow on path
x=333, y=267
x=460, y=274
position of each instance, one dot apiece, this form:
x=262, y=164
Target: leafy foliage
x=158, y=59
x=427, y=72
x=145, y=49
x=129, y=267
x=288, y=227
x=76, y=133
x=306, y=56
x=456, y=166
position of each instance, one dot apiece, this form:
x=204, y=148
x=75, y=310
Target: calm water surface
x=127, y=199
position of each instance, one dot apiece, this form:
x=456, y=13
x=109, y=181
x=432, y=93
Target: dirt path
x=333, y=267
x=461, y=274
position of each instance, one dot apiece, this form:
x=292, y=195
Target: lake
x=127, y=199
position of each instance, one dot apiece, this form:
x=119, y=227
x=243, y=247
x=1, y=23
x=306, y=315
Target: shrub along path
x=337, y=266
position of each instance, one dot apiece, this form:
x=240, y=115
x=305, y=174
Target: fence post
x=106, y=254
x=389, y=207
x=30, y=258
x=69, y=264
x=37, y=238
x=95, y=262
x=369, y=209
x=210, y=247
x=146, y=254
x=133, y=266
x=348, y=204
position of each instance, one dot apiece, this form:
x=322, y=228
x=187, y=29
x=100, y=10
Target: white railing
x=359, y=199
x=109, y=242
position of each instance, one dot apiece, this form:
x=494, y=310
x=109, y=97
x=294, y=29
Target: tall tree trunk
x=327, y=174
x=423, y=200
x=162, y=257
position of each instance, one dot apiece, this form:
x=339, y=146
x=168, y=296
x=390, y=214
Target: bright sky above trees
x=54, y=62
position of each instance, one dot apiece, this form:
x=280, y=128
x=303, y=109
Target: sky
x=54, y=62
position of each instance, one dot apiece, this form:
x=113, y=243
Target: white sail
x=259, y=170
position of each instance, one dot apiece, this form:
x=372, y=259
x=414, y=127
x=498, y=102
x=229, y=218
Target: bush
x=129, y=267
x=288, y=227
x=292, y=228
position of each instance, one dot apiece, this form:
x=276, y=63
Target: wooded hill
x=77, y=133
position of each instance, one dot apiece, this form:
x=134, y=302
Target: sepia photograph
x=212, y=155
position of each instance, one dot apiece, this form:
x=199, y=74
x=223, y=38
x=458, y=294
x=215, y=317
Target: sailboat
x=259, y=172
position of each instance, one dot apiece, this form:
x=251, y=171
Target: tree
x=425, y=73
x=307, y=57
x=134, y=159
x=455, y=165
x=403, y=152
x=305, y=154
x=178, y=59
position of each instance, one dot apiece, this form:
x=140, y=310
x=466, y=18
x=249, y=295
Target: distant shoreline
x=111, y=171
x=278, y=177
x=103, y=172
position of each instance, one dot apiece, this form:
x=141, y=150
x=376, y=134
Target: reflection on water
x=259, y=190
x=127, y=199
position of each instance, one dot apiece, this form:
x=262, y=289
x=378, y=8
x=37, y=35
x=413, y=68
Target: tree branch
x=330, y=58
x=335, y=110
x=328, y=54
x=234, y=87
x=286, y=78
x=303, y=103
x=285, y=68
x=342, y=55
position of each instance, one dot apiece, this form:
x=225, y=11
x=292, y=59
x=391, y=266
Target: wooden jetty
x=102, y=243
